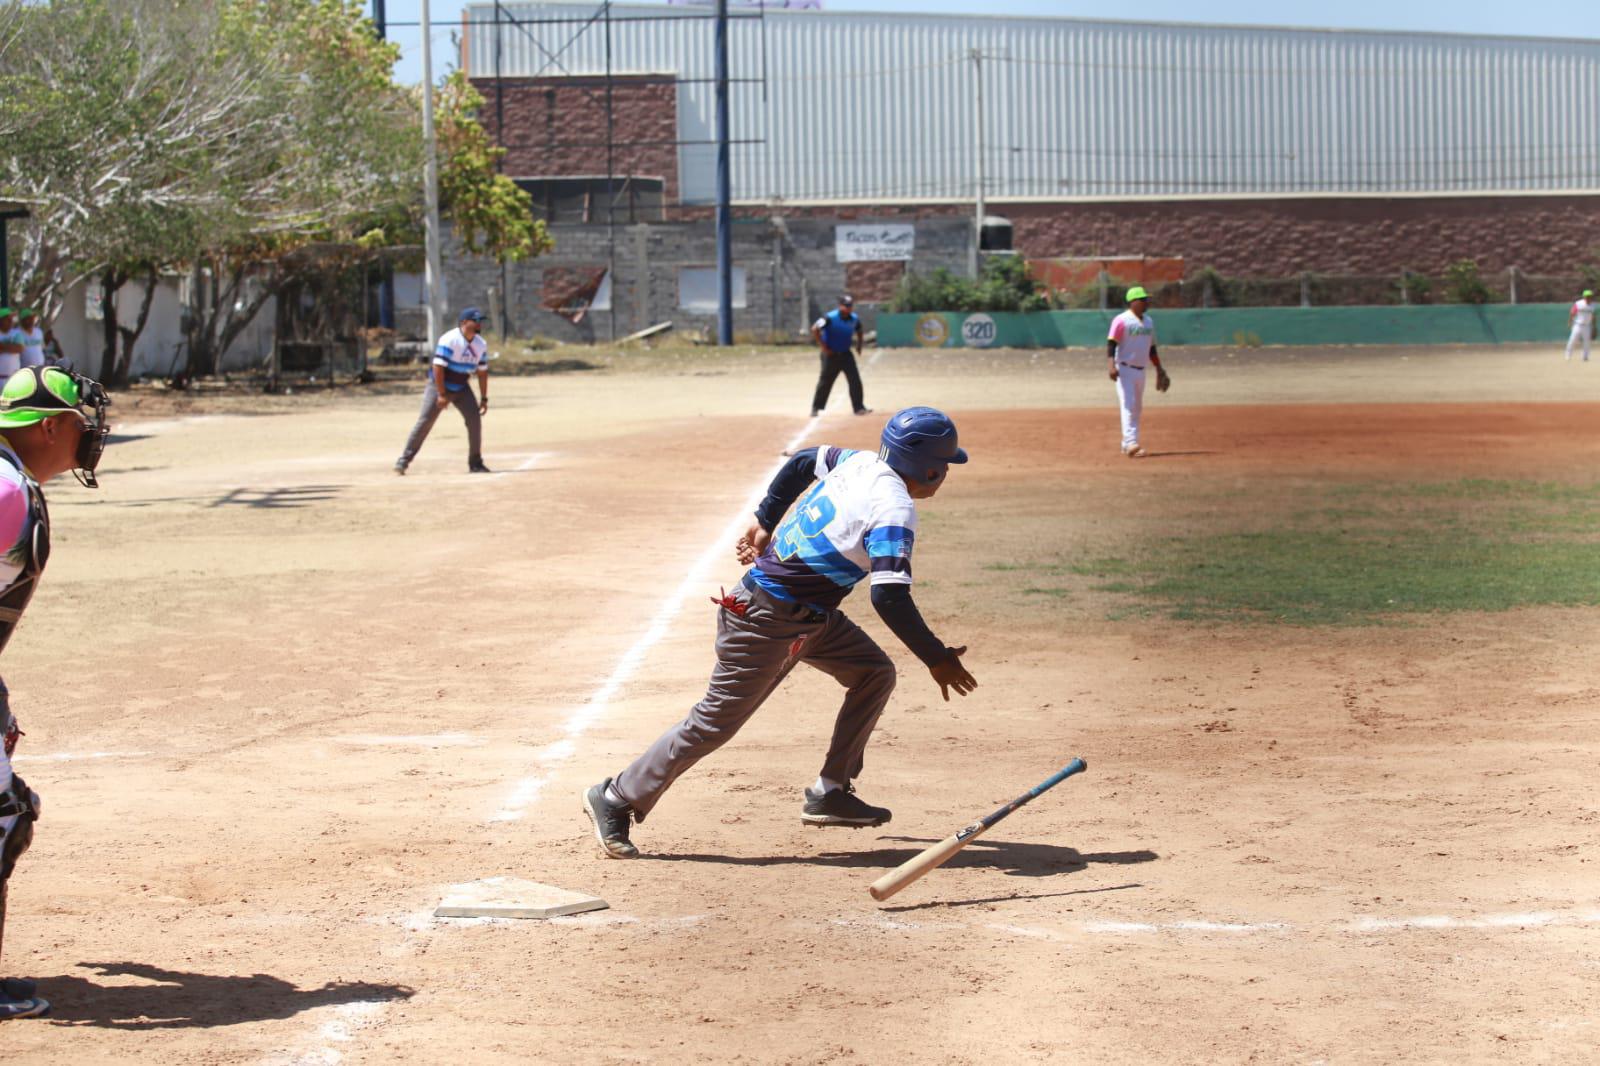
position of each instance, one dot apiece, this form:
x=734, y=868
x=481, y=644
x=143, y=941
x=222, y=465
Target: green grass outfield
x=1360, y=554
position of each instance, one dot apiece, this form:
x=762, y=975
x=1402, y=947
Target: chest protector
x=36, y=551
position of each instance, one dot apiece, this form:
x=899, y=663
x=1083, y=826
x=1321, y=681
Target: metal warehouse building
x=1262, y=152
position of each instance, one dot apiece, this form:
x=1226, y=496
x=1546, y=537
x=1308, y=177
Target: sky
x=1546, y=18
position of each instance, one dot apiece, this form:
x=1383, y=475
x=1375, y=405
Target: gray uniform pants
x=465, y=403
x=756, y=651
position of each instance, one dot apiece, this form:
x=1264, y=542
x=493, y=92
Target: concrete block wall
x=792, y=274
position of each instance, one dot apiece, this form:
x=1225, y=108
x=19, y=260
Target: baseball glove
x=1163, y=382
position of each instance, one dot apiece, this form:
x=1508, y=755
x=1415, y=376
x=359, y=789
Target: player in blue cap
x=459, y=354
x=856, y=520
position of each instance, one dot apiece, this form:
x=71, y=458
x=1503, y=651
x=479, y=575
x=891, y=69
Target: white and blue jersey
x=460, y=358
x=856, y=521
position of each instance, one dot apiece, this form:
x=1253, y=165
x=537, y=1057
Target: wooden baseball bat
x=940, y=853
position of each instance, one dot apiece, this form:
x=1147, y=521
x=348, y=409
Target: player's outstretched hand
x=752, y=544
x=950, y=674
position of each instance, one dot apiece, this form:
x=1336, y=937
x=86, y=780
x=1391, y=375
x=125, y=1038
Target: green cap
x=1588, y=292
x=4, y=311
x=1137, y=293
x=36, y=393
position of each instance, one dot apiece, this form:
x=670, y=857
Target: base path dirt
x=278, y=701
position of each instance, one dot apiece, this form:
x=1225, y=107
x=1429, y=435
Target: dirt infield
x=278, y=700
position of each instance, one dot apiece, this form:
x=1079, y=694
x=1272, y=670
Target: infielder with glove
x=51, y=421
x=1580, y=320
x=1130, y=349
x=856, y=520
x=459, y=354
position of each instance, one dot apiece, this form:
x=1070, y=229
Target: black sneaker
x=400, y=468
x=610, y=823
x=29, y=1006
x=863, y=410
x=478, y=468
x=841, y=806
x=19, y=987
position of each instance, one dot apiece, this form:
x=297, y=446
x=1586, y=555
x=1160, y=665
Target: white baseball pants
x=1579, y=333
x=1130, y=392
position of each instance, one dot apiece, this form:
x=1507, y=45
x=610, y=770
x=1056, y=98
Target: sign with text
x=870, y=244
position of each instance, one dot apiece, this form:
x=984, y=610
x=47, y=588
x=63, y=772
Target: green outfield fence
x=1240, y=326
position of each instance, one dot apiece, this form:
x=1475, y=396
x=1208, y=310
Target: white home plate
x=512, y=897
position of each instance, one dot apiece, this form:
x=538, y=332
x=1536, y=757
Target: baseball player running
x=1130, y=348
x=1581, y=321
x=51, y=421
x=857, y=520
x=460, y=352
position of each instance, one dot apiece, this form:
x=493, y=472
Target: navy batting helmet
x=920, y=443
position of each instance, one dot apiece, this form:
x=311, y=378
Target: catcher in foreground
x=51, y=421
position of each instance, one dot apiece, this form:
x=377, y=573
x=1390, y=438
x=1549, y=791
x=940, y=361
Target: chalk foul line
x=582, y=718
x=352, y=1018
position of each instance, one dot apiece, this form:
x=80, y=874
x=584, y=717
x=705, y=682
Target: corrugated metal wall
x=882, y=107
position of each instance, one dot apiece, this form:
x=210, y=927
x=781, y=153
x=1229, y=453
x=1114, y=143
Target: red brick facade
x=1280, y=238
x=556, y=127
x=873, y=282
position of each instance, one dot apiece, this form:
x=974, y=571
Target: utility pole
x=724, y=190
x=433, y=278
x=977, y=162
x=380, y=22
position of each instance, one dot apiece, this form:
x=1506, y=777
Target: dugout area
x=1328, y=652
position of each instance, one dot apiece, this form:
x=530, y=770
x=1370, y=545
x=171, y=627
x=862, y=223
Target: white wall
x=159, y=348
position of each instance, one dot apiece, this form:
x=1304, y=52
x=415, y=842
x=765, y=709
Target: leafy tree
x=491, y=214
x=222, y=137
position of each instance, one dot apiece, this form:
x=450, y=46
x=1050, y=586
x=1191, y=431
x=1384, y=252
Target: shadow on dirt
x=1011, y=858
x=272, y=499
x=181, y=1000
x=1021, y=897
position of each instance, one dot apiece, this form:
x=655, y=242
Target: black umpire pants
x=832, y=364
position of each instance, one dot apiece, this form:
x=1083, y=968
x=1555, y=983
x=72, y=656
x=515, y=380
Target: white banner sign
x=863, y=244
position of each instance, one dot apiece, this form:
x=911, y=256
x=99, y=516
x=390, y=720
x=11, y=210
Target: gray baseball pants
x=755, y=652
x=465, y=403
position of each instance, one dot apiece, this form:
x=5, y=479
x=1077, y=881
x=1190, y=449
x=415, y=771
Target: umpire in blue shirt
x=838, y=335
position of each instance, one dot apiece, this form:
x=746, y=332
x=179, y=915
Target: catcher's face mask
x=36, y=393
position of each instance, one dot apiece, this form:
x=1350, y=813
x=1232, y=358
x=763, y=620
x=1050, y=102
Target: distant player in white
x=1581, y=319
x=1130, y=348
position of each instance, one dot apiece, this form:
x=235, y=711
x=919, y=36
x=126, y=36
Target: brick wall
x=873, y=282
x=1282, y=238
x=556, y=127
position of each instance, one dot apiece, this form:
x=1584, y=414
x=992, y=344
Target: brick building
x=1251, y=152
